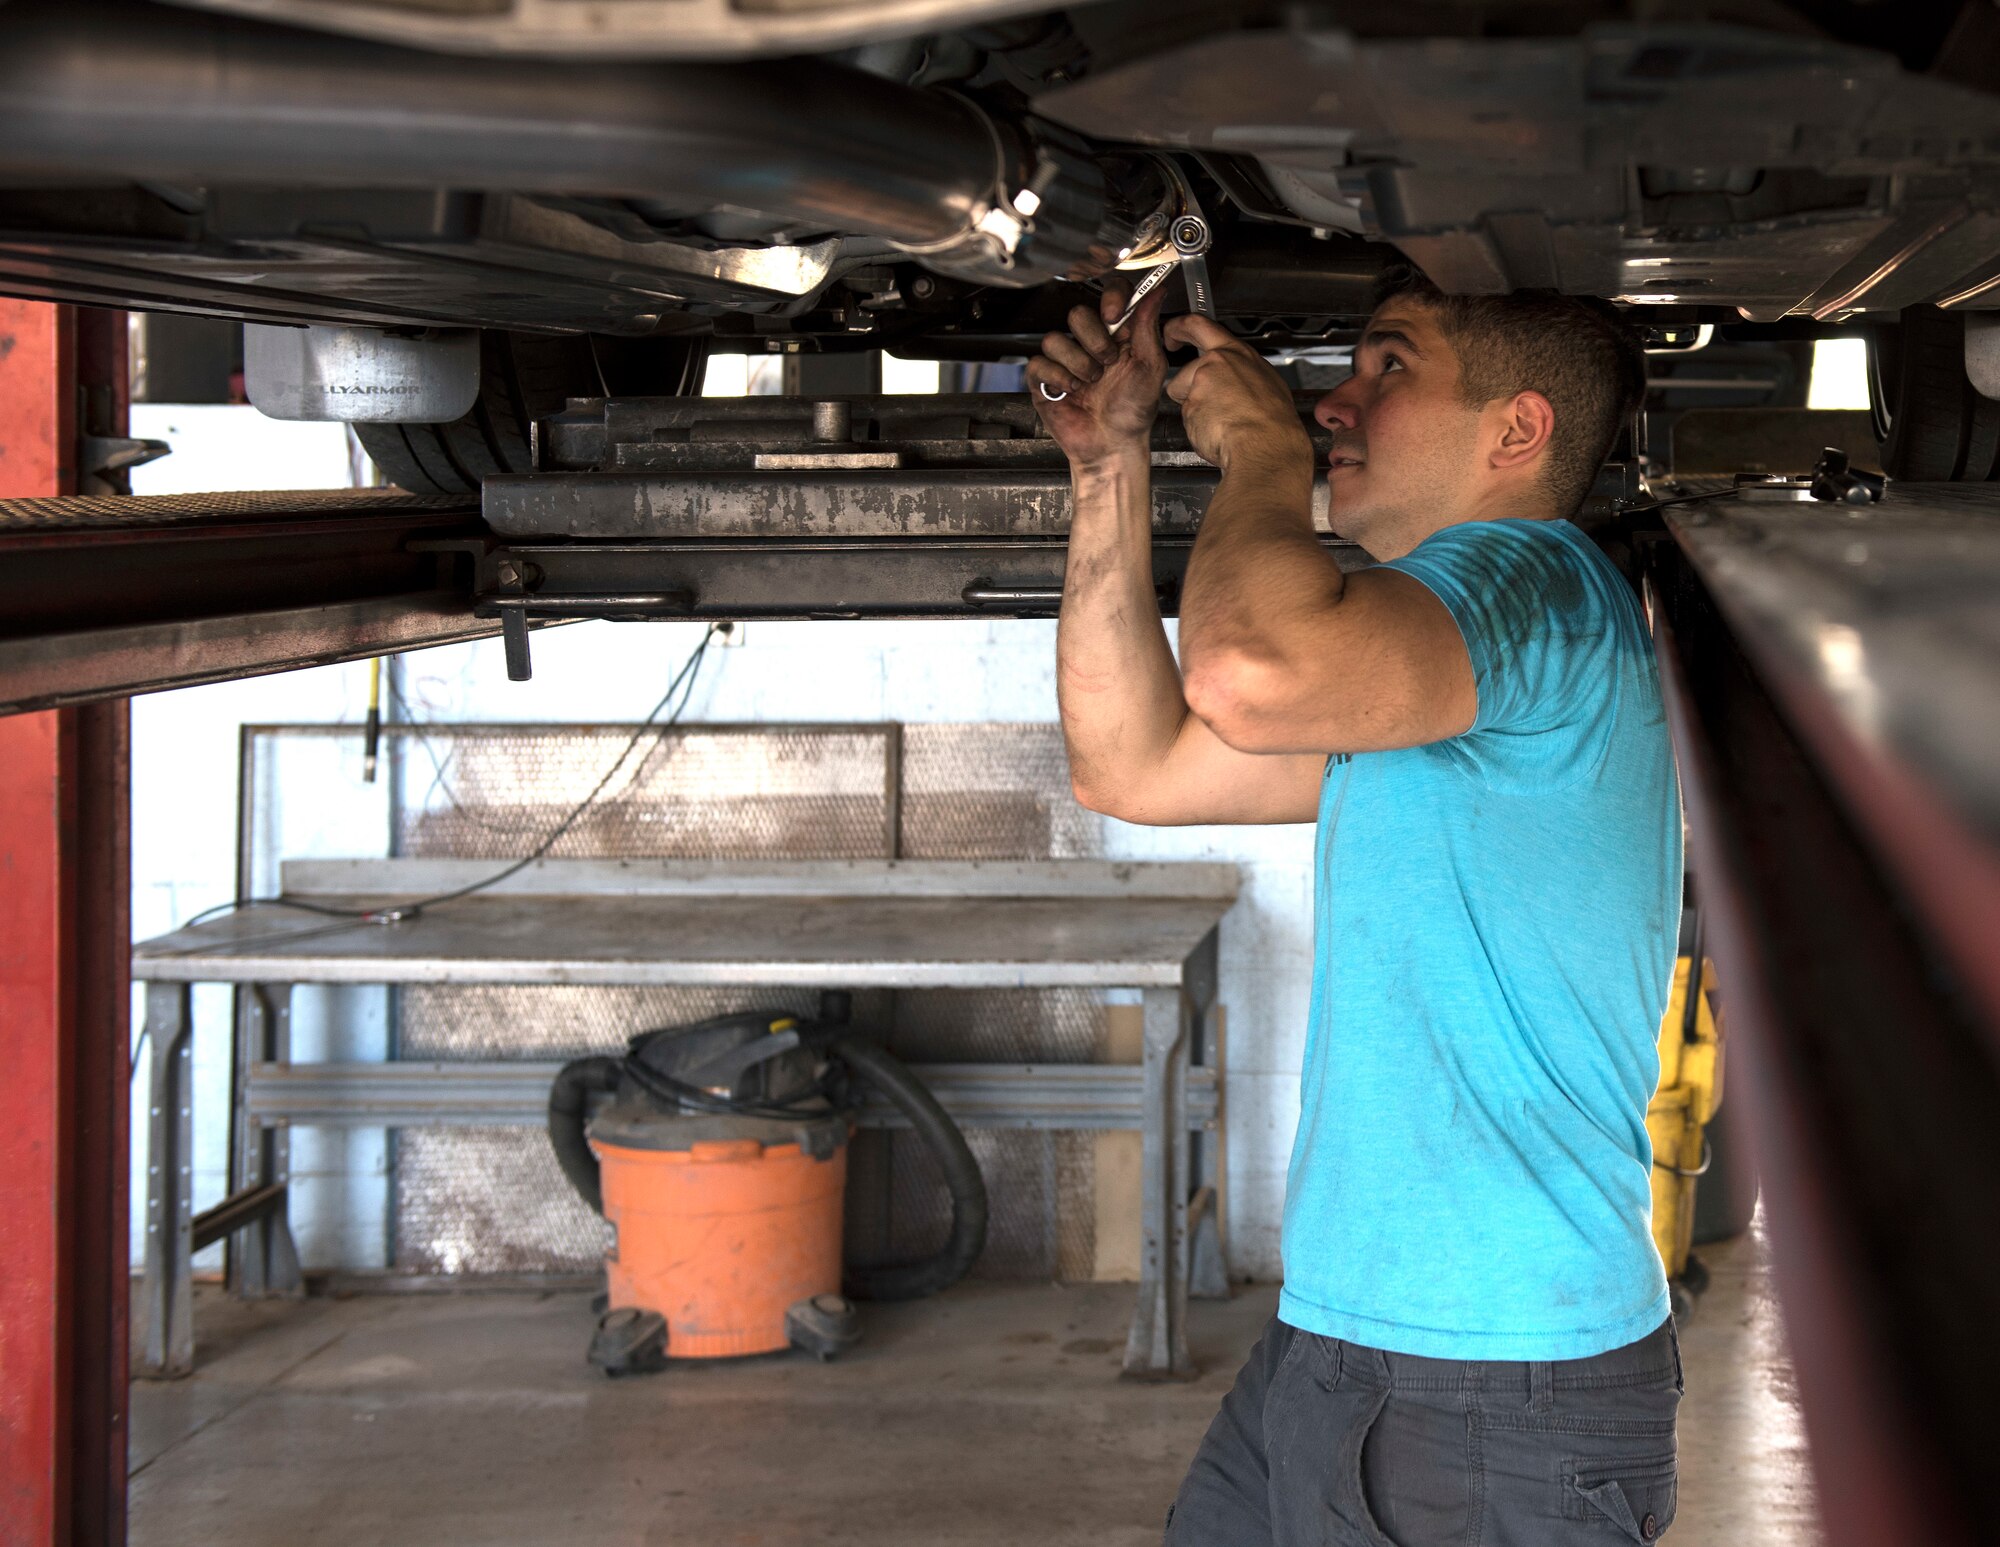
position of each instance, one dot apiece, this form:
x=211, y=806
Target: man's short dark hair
x=1574, y=350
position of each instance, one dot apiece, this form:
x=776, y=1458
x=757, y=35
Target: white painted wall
x=184, y=749
x=184, y=765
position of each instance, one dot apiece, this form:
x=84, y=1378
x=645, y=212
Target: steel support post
x=1208, y=1264
x=64, y=944
x=1156, y=1348
x=170, y=1182
x=263, y=1259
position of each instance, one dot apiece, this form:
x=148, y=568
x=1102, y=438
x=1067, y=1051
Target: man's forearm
x=1257, y=564
x=1116, y=681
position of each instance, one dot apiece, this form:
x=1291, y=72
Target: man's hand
x=1233, y=404
x=1113, y=384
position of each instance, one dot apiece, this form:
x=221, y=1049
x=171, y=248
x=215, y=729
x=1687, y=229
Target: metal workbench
x=813, y=923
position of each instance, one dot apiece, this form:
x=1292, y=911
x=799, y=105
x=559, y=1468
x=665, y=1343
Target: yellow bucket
x=1676, y=1118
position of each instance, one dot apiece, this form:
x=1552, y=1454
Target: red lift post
x=64, y=1004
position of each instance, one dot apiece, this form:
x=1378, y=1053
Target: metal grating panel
x=73, y=511
x=1076, y=1206
x=992, y=792
x=684, y=792
x=560, y=1020
x=489, y=1200
x=990, y=1026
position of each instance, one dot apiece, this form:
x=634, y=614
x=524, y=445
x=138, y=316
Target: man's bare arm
x=1282, y=653
x=1136, y=752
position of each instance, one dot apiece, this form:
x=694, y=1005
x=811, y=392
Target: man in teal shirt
x=1473, y=1344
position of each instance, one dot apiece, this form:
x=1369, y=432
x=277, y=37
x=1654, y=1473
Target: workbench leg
x=1208, y=1267
x=1156, y=1348
x=1208, y=1261
x=264, y=1259
x=170, y=1183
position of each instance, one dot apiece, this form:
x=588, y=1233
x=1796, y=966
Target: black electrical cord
x=1656, y=503
x=683, y=682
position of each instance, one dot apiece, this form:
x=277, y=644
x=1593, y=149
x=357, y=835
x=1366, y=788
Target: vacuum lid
x=628, y=1125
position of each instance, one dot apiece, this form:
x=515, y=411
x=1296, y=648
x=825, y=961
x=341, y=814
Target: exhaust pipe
x=150, y=93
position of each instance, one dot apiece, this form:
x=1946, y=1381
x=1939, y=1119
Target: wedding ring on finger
x=1048, y=396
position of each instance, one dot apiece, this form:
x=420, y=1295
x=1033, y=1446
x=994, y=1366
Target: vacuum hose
x=583, y=1078
x=569, y=1103
x=928, y=1275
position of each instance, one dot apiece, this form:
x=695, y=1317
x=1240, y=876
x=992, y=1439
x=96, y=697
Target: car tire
x=525, y=377
x=1933, y=425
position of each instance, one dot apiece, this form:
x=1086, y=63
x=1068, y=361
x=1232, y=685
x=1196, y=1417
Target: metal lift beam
x=1832, y=675
x=116, y=595
x=870, y=506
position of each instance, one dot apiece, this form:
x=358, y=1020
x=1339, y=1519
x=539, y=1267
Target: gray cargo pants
x=1324, y=1443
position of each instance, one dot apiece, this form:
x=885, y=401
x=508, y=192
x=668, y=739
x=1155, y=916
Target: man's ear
x=1526, y=421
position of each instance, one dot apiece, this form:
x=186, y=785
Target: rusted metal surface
x=723, y=508
x=237, y=1211
x=650, y=508
x=972, y=465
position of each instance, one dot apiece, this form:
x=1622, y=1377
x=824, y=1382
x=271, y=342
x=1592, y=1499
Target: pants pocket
x=1353, y=1475
x=1634, y=1495
x=1411, y=1473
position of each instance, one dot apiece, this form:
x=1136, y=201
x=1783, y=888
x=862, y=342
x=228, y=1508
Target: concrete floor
x=991, y=1416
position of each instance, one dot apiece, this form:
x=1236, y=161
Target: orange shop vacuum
x=718, y=1152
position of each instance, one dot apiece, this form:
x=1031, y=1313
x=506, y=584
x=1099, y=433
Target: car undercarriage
x=610, y=203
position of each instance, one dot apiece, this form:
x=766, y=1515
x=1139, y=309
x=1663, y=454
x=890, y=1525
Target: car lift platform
x=676, y=508
x=1832, y=680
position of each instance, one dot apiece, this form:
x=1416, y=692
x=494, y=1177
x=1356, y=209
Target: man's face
x=1405, y=446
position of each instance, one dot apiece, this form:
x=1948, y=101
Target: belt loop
x=1541, y=1387
x=1336, y=1359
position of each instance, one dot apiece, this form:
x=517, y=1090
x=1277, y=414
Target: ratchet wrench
x=1140, y=291
x=1189, y=235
